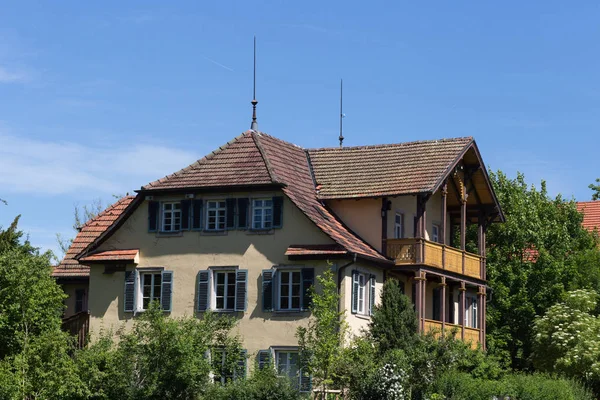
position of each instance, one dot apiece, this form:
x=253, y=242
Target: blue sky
x=99, y=98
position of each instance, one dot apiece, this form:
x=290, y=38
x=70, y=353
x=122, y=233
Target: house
x=591, y=214
x=246, y=229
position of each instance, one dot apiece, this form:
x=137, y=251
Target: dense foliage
x=596, y=189
x=534, y=258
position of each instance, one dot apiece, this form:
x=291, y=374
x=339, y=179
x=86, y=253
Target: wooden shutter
x=277, y=212
x=264, y=358
x=308, y=278
x=129, y=300
x=268, y=276
x=166, y=292
x=203, y=290
x=242, y=206
x=197, y=215
x=153, y=216
x=185, y=214
x=355, y=284
x=241, y=289
x=371, y=294
x=240, y=370
x=305, y=382
x=230, y=213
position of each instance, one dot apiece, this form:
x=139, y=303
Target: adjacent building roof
x=315, y=250
x=69, y=267
x=384, y=170
x=591, y=214
x=112, y=255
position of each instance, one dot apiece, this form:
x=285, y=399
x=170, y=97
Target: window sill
x=269, y=231
x=169, y=234
x=363, y=316
x=226, y=311
x=288, y=313
x=213, y=233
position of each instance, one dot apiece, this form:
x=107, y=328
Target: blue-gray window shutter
x=230, y=213
x=242, y=206
x=166, y=293
x=241, y=289
x=185, y=214
x=197, y=215
x=240, y=371
x=203, y=290
x=153, y=216
x=277, y=212
x=308, y=278
x=264, y=358
x=267, y=282
x=305, y=382
x=371, y=294
x=129, y=300
x=355, y=292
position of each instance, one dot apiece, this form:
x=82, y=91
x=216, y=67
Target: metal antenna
x=254, y=124
x=341, y=112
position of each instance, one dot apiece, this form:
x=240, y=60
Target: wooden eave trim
x=204, y=189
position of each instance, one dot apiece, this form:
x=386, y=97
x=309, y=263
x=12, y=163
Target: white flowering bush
x=392, y=383
x=567, y=338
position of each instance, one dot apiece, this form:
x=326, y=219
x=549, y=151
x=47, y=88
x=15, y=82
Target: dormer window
x=171, y=217
x=216, y=212
x=262, y=214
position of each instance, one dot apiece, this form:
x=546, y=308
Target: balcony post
x=417, y=279
x=443, y=306
x=480, y=307
x=463, y=308
x=444, y=221
x=424, y=294
x=463, y=227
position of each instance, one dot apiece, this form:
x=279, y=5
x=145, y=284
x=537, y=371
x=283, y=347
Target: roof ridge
x=384, y=145
x=256, y=138
x=588, y=201
x=198, y=161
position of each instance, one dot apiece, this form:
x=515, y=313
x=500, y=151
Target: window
x=399, y=226
x=471, y=318
x=290, y=283
x=262, y=214
x=225, y=367
x=363, y=293
x=216, y=211
x=224, y=290
x=288, y=364
x=435, y=233
x=435, y=304
x=171, y=217
x=80, y=300
x=150, y=287
x=144, y=286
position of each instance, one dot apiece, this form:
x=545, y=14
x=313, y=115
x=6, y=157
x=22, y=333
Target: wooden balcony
x=471, y=335
x=424, y=252
x=78, y=325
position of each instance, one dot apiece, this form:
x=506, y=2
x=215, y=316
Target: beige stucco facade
x=189, y=252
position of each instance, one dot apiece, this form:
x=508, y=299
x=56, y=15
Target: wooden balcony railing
x=425, y=252
x=471, y=335
x=78, y=325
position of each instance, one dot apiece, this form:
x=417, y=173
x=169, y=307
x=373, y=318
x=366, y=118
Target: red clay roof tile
x=111, y=255
x=591, y=214
x=315, y=249
x=90, y=231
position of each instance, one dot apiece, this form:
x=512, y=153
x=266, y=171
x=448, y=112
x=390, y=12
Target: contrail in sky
x=218, y=63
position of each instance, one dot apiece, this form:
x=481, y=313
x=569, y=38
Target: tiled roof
x=112, y=255
x=289, y=164
x=591, y=214
x=237, y=163
x=384, y=170
x=69, y=266
x=315, y=249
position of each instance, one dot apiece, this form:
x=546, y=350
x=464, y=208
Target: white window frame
x=363, y=291
x=435, y=233
x=174, y=214
x=472, y=311
x=219, y=207
x=291, y=283
x=226, y=289
x=263, y=221
x=287, y=374
x=399, y=226
x=140, y=287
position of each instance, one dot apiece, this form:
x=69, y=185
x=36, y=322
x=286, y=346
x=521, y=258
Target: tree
x=567, y=338
x=80, y=217
x=321, y=343
x=533, y=259
x=394, y=321
x=596, y=189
